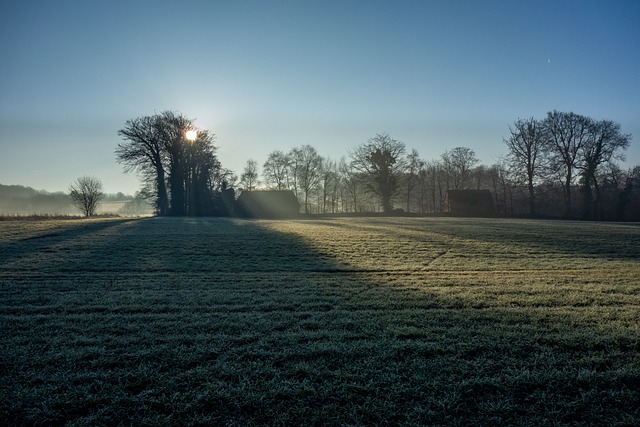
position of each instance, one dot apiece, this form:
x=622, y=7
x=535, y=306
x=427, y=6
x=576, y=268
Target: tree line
x=177, y=163
x=565, y=165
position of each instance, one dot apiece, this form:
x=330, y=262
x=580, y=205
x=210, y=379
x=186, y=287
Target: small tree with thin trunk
x=86, y=193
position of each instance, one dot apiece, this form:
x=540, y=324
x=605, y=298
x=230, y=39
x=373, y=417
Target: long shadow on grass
x=55, y=239
x=227, y=322
x=579, y=238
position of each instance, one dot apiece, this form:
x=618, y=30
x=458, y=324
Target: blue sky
x=266, y=75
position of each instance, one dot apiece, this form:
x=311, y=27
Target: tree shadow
x=201, y=321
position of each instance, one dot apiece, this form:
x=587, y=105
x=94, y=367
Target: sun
x=191, y=135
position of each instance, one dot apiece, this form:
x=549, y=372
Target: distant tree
x=526, y=147
x=330, y=183
x=308, y=170
x=249, y=177
x=565, y=136
x=604, y=143
x=139, y=205
x=350, y=186
x=458, y=164
x=86, y=193
x=414, y=165
x=276, y=170
x=381, y=160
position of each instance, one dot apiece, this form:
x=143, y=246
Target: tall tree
x=276, y=170
x=330, y=182
x=458, y=163
x=414, y=165
x=350, y=186
x=143, y=151
x=173, y=128
x=249, y=177
x=525, y=146
x=565, y=136
x=603, y=143
x=308, y=170
x=381, y=160
x=203, y=167
x=178, y=158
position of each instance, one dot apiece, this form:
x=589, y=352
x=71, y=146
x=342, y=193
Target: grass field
x=385, y=321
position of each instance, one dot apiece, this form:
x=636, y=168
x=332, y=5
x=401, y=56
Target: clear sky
x=266, y=75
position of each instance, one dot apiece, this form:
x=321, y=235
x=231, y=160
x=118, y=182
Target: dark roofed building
x=268, y=204
x=470, y=203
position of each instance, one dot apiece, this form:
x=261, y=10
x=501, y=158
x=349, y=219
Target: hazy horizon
x=266, y=76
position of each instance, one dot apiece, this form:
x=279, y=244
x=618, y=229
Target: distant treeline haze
x=565, y=165
x=20, y=200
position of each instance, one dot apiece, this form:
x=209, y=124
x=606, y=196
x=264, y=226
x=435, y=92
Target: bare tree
x=381, y=160
x=142, y=152
x=308, y=170
x=249, y=177
x=458, y=163
x=603, y=144
x=565, y=136
x=414, y=165
x=525, y=151
x=350, y=186
x=329, y=183
x=86, y=193
x=276, y=170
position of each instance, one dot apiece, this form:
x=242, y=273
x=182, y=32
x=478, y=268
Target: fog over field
x=352, y=321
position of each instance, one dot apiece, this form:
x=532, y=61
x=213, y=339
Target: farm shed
x=470, y=203
x=268, y=204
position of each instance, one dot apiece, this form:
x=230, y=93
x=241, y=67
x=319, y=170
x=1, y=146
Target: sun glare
x=191, y=135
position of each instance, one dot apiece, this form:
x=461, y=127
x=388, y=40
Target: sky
x=273, y=75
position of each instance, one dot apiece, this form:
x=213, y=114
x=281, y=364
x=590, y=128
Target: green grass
x=355, y=321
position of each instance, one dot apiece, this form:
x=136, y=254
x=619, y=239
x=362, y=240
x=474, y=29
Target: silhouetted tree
x=381, y=160
x=308, y=170
x=603, y=143
x=143, y=152
x=184, y=171
x=458, y=164
x=276, y=170
x=86, y=193
x=330, y=183
x=565, y=136
x=525, y=145
x=350, y=186
x=414, y=164
x=249, y=177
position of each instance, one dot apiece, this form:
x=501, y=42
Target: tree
x=414, y=166
x=184, y=172
x=381, y=160
x=604, y=142
x=143, y=152
x=525, y=146
x=565, y=136
x=276, y=170
x=330, y=182
x=86, y=193
x=172, y=128
x=308, y=170
x=350, y=186
x=249, y=177
x=458, y=163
